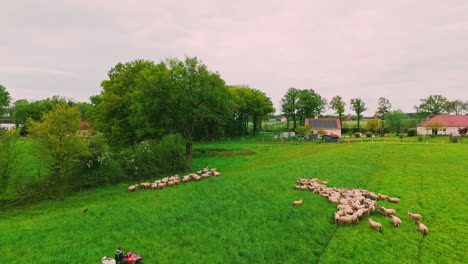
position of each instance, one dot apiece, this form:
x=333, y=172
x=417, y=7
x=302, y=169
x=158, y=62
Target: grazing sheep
x=393, y=200
x=324, y=182
x=107, y=260
x=197, y=178
x=373, y=196
x=386, y=211
x=422, y=228
x=382, y=196
x=154, y=186
x=216, y=173
x=297, y=202
x=348, y=219
x=416, y=217
x=375, y=225
x=132, y=188
x=186, y=179
x=396, y=220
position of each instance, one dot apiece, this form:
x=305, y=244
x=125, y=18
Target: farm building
x=330, y=138
x=442, y=125
x=329, y=125
x=7, y=124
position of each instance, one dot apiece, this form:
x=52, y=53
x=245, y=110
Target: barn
x=329, y=125
x=442, y=125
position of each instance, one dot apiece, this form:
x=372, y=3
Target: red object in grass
x=131, y=257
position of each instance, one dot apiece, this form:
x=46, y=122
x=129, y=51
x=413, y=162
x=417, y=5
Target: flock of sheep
x=354, y=204
x=173, y=180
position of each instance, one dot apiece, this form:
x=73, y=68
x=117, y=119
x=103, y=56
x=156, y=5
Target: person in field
x=119, y=256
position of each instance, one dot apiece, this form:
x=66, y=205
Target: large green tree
x=143, y=100
x=116, y=112
x=338, y=105
x=397, y=121
x=309, y=105
x=196, y=94
x=4, y=100
x=383, y=108
x=289, y=105
x=358, y=106
x=456, y=106
x=432, y=105
x=8, y=157
x=58, y=144
x=23, y=110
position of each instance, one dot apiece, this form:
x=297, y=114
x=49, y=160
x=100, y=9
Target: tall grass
x=246, y=216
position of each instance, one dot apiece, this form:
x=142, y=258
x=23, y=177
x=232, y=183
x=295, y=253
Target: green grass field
x=246, y=216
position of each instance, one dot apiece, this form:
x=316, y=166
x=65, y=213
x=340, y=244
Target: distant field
x=246, y=216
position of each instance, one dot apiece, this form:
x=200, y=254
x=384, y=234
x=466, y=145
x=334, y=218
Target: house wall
x=7, y=126
x=448, y=131
x=329, y=131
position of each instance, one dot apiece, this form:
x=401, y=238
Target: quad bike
x=132, y=258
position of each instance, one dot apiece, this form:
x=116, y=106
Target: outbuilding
x=330, y=138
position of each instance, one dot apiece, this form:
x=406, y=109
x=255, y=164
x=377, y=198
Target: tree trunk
x=188, y=149
x=341, y=125
x=294, y=122
x=255, y=123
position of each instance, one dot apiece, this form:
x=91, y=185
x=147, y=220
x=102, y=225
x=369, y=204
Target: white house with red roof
x=442, y=125
x=330, y=125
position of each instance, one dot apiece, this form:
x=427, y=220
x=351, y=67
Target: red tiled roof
x=449, y=120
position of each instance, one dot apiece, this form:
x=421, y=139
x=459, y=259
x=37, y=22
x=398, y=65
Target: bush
x=456, y=139
x=151, y=158
x=357, y=134
x=421, y=138
x=98, y=167
x=368, y=134
x=412, y=132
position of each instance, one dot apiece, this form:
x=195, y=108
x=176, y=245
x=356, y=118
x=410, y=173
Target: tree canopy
x=4, y=100
x=358, y=106
x=300, y=104
x=59, y=145
x=143, y=100
x=338, y=105
x=396, y=120
x=432, y=105
x=456, y=106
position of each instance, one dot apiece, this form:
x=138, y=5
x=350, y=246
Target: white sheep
x=416, y=217
x=375, y=225
x=393, y=200
x=297, y=202
x=422, y=228
x=396, y=220
x=132, y=188
x=386, y=211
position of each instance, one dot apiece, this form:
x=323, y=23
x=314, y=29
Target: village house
x=331, y=126
x=442, y=125
x=7, y=124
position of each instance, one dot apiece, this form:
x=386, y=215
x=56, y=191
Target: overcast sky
x=402, y=50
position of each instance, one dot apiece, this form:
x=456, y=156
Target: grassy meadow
x=246, y=216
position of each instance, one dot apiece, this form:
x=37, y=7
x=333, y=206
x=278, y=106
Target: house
x=329, y=125
x=330, y=138
x=7, y=124
x=442, y=125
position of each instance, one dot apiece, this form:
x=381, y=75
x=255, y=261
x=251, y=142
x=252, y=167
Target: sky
x=402, y=50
